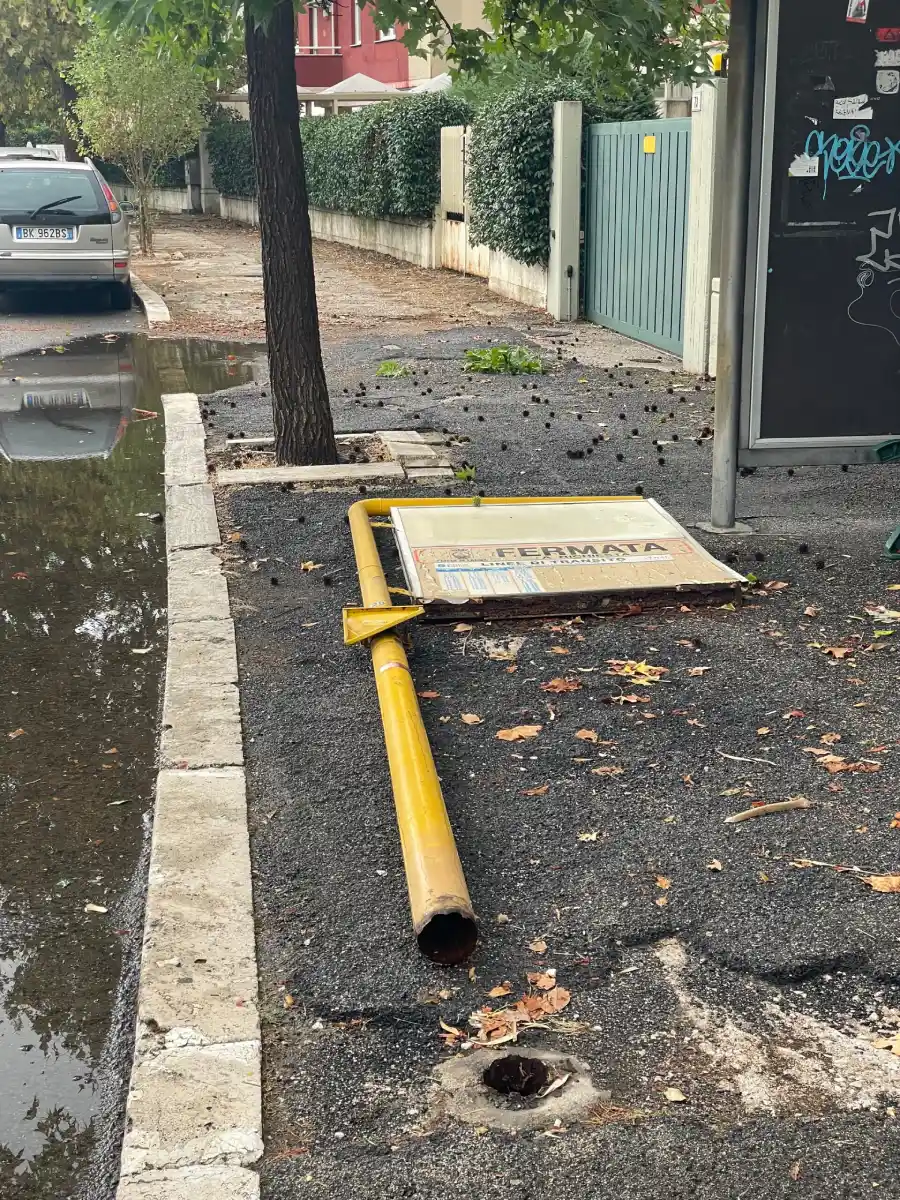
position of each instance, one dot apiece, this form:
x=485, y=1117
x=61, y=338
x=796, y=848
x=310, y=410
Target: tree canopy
x=664, y=39
x=137, y=107
x=38, y=39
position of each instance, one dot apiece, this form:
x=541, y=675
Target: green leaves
x=136, y=107
x=231, y=158
x=37, y=40
x=510, y=167
x=503, y=360
x=393, y=370
x=382, y=161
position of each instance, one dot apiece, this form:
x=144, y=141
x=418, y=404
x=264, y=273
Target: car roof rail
x=34, y=153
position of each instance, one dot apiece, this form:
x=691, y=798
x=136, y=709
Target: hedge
x=231, y=158
x=511, y=161
x=382, y=161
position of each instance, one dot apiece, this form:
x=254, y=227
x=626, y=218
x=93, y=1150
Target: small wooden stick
x=761, y=809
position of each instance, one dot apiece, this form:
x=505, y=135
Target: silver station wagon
x=60, y=226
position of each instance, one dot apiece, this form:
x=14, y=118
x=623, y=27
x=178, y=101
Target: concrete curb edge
x=155, y=308
x=194, y=1109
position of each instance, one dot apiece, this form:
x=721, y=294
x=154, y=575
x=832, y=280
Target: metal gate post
x=739, y=118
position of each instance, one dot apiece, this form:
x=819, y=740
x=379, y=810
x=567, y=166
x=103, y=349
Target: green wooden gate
x=635, y=222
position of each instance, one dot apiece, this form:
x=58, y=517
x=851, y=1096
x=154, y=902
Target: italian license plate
x=76, y=398
x=43, y=233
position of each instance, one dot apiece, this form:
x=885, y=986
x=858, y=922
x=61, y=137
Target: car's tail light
x=111, y=202
x=120, y=266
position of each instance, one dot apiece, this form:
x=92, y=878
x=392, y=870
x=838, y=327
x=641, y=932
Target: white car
x=61, y=226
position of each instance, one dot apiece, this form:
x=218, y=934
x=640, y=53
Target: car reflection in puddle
x=67, y=405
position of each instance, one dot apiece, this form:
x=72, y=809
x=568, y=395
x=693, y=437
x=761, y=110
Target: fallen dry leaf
x=642, y=672
x=674, y=1096
x=545, y=980
x=830, y=738
x=471, y=719
x=95, y=908
x=560, y=685
x=428, y=695
x=235, y=537
x=698, y=670
x=288, y=1000
x=629, y=698
x=775, y=585
x=462, y=628
x=519, y=733
x=662, y=901
x=502, y=989
x=714, y=865
x=793, y=713
x=587, y=735
x=883, y=883
x=794, y=1170
x=537, y=791
x=559, y=650
x=838, y=652
x=607, y=770
x=16, y=733
x=589, y=837
x=811, y=610
x=888, y=1043
x=834, y=764
x=539, y=946
x=662, y=882
x=763, y=730
x=895, y=824
x=311, y=566
x=556, y=1000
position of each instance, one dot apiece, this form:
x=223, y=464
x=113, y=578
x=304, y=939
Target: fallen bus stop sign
x=552, y=557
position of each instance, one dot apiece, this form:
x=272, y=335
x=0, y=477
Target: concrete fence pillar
x=209, y=197
x=704, y=220
x=565, y=212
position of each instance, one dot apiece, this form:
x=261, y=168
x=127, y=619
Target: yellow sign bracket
x=361, y=624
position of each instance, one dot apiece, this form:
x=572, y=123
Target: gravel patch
x=699, y=958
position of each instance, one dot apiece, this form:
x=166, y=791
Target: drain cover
x=554, y=555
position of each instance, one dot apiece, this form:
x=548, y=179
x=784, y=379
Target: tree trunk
x=304, y=432
x=67, y=97
x=145, y=218
x=2, y=132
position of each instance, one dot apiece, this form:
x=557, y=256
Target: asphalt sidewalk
x=735, y=1003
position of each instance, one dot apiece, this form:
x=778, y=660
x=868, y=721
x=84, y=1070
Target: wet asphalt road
x=83, y=643
x=29, y=320
x=756, y=989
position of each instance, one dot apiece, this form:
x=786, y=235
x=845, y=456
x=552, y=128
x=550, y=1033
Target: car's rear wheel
x=121, y=296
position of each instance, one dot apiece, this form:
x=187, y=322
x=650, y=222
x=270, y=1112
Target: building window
x=390, y=36
x=356, y=33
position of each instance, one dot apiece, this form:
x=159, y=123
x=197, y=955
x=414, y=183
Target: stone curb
x=155, y=308
x=414, y=456
x=194, y=1110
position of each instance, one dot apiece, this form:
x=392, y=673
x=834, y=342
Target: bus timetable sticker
x=453, y=555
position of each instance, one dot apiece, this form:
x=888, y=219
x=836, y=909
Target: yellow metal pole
x=439, y=898
x=441, y=909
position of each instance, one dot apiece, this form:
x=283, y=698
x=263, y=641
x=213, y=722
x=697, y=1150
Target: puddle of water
x=83, y=642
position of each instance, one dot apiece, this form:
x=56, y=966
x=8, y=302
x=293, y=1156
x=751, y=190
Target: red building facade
x=333, y=46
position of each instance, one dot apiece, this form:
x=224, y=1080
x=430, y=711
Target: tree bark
x=2, y=132
x=67, y=98
x=304, y=432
